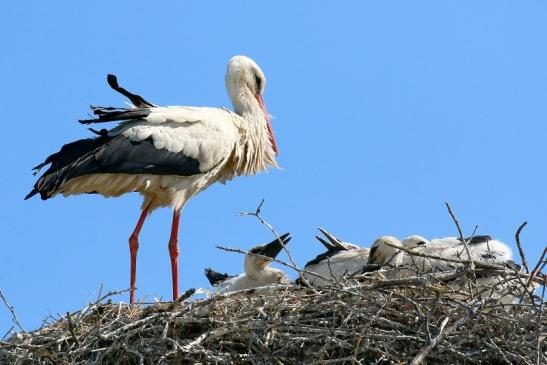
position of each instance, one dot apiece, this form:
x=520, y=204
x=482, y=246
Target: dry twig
x=257, y=214
x=12, y=311
x=521, y=252
x=386, y=321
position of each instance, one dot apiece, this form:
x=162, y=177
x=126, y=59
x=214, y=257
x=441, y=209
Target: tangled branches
x=350, y=322
x=361, y=319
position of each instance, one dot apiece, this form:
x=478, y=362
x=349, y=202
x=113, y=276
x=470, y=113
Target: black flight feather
x=323, y=256
x=475, y=240
x=109, y=114
x=216, y=278
x=107, y=154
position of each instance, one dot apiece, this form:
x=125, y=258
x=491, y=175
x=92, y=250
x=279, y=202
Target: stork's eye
x=258, y=82
x=420, y=243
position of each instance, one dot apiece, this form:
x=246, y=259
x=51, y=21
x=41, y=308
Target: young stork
x=481, y=249
x=257, y=269
x=340, y=259
x=167, y=154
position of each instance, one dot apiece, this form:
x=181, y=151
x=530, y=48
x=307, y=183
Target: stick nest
x=369, y=320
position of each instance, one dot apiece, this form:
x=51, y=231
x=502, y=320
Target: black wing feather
x=109, y=114
x=323, y=256
x=110, y=155
x=476, y=239
x=215, y=277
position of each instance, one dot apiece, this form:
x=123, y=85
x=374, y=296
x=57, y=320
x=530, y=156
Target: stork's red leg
x=174, y=252
x=133, y=248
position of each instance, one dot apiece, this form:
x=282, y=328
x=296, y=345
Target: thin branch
x=13, y=315
x=418, y=359
x=7, y=333
x=111, y=294
x=521, y=252
x=480, y=266
x=539, y=335
x=272, y=229
x=465, y=245
x=71, y=329
x=459, y=229
x=539, y=266
x=477, y=264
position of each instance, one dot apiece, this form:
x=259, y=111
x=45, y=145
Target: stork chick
x=481, y=249
x=257, y=269
x=340, y=259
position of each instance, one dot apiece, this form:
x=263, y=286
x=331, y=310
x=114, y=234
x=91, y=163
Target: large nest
x=363, y=320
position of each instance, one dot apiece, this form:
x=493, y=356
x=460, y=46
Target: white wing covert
x=203, y=134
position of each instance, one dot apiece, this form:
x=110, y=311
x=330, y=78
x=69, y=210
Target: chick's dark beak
x=273, y=248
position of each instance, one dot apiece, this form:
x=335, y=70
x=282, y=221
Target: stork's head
x=381, y=253
x=254, y=264
x=413, y=242
x=245, y=83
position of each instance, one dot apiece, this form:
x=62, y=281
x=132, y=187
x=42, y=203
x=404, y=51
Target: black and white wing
x=179, y=141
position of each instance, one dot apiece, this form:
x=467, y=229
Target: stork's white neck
x=256, y=270
x=254, y=151
x=246, y=105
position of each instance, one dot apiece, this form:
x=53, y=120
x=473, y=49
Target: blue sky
x=383, y=111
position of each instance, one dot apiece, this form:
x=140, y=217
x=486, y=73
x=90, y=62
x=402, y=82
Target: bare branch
x=539, y=266
x=459, y=229
x=521, y=251
x=434, y=342
x=10, y=308
x=271, y=228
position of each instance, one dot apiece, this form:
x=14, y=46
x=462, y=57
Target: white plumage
x=481, y=249
x=340, y=259
x=168, y=154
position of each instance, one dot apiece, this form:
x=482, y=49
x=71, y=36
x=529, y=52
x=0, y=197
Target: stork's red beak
x=270, y=130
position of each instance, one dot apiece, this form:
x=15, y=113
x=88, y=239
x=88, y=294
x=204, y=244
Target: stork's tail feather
x=62, y=164
x=110, y=114
x=137, y=100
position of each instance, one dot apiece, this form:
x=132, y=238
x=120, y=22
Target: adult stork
x=257, y=269
x=167, y=154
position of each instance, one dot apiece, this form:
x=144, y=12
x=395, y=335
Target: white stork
x=257, y=269
x=167, y=154
x=481, y=249
x=340, y=259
